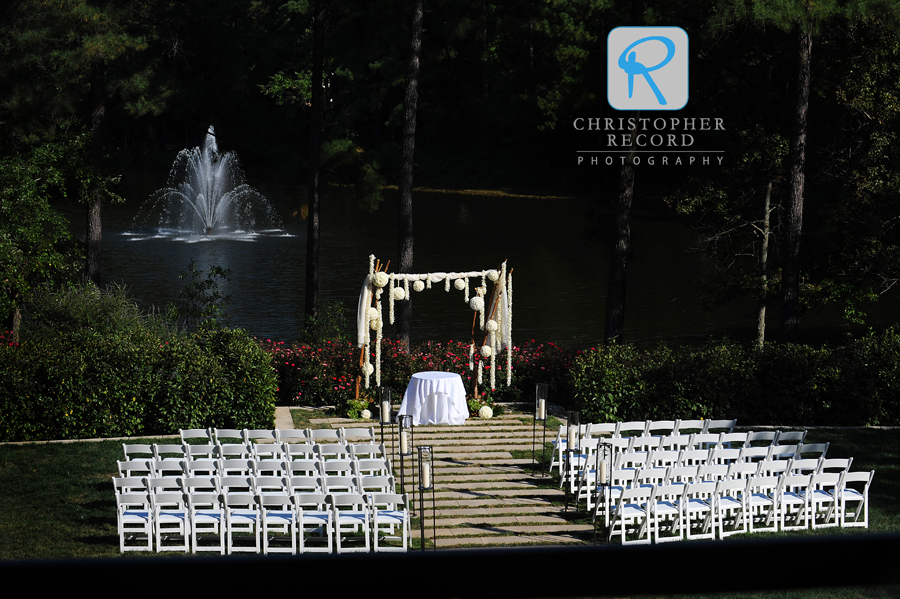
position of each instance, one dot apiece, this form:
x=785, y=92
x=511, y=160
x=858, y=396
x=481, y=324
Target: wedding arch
x=493, y=313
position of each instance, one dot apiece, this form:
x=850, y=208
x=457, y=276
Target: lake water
x=559, y=267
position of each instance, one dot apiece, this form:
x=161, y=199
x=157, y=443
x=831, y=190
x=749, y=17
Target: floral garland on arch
x=494, y=313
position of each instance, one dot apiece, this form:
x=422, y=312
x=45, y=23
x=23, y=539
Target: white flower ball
x=477, y=303
x=368, y=369
x=372, y=313
x=381, y=279
x=418, y=286
x=485, y=412
x=493, y=275
x=486, y=351
x=492, y=325
x=365, y=415
x=375, y=324
x=399, y=293
x=459, y=284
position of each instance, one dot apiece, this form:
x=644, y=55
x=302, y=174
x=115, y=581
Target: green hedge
x=90, y=365
x=851, y=385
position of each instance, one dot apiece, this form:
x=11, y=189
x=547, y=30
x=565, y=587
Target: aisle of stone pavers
x=483, y=496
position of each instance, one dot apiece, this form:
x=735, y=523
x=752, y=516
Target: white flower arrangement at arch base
x=494, y=316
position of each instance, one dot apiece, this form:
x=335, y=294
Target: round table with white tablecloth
x=435, y=398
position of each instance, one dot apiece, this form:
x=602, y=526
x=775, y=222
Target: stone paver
x=483, y=496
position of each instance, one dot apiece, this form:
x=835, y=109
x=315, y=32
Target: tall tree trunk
x=615, y=295
x=790, y=303
x=405, y=229
x=763, y=273
x=94, y=231
x=315, y=144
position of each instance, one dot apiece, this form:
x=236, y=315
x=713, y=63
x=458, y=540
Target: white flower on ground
x=485, y=412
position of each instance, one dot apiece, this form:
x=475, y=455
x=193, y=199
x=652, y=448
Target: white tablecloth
x=435, y=398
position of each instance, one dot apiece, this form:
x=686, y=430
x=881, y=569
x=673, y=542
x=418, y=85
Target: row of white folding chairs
x=299, y=435
x=709, y=509
x=275, y=514
x=255, y=467
x=638, y=428
x=666, y=474
x=748, y=440
x=632, y=451
x=289, y=451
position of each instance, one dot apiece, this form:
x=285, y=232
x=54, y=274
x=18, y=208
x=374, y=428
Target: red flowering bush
x=326, y=373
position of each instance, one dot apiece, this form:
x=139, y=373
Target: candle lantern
x=426, y=483
x=601, y=490
x=540, y=415
x=573, y=445
x=406, y=449
x=385, y=406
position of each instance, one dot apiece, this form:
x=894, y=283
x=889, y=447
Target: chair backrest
x=337, y=485
x=168, y=468
x=374, y=467
x=733, y=440
x=773, y=467
x=602, y=429
x=687, y=427
x=664, y=458
x=661, y=428
x=675, y=442
x=806, y=466
x=270, y=467
x=169, y=451
x=202, y=467
x=136, y=467
x=376, y=484
x=682, y=475
x=306, y=484
x=726, y=456
x=204, y=434
x=762, y=438
x=634, y=428
x=358, y=435
x=130, y=484
x=229, y=451
x=197, y=451
x=367, y=450
x=743, y=470
x=135, y=451
x=344, y=467
x=200, y=484
x=237, y=467
x=330, y=435
x=293, y=435
x=756, y=454
x=835, y=465
x=300, y=451
x=719, y=426
x=695, y=457
x=809, y=450
x=394, y=502
x=330, y=451
x=653, y=477
x=261, y=434
x=712, y=472
x=791, y=438
x=225, y=436
x=645, y=443
x=306, y=467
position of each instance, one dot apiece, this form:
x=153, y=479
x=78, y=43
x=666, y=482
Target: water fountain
x=206, y=198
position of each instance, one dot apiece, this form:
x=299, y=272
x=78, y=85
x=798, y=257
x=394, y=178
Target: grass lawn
x=56, y=499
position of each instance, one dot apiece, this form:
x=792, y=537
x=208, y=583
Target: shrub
x=111, y=371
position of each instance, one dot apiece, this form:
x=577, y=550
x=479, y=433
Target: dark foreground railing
x=694, y=567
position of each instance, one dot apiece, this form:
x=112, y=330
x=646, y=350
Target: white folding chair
x=350, y=512
x=858, y=495
x=763, y=498
x=731, y=507
x=794, y=506
x=169, y=451
x=242, y=516
x=631, y=515
x=824, y=500
x=811, y=450
x=170, y=517
x=762, y=438
x=688, y=427
x=698, y=510
x=206, y=515
x=666, y=514
x=134, y=514
x=278, y=515
x=138, y=451
x=389, y=515
x=315, y=522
